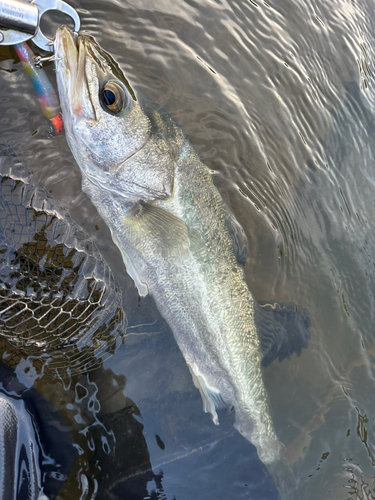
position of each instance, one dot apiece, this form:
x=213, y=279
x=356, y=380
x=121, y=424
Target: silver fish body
x=174, y=232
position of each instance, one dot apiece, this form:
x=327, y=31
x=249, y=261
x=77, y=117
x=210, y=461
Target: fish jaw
x=70, y=62
x=77, y=110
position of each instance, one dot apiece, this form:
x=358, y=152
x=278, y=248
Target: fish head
x=110, y=128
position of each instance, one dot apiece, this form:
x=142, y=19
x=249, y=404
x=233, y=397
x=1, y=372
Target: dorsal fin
x=238, y=236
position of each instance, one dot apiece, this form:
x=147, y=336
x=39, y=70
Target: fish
x=179, y=241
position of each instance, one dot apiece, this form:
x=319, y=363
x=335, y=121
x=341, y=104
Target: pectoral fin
x=211, y=397
x=153, y=233
x=157, y=233
x=282, y=330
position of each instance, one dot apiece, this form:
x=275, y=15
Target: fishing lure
x=45, y=92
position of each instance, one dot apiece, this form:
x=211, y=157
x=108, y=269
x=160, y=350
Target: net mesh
x=58, y=297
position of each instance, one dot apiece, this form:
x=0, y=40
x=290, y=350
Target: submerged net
x=58, y=297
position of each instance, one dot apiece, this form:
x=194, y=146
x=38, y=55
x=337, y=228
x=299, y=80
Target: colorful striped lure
x=45, y=92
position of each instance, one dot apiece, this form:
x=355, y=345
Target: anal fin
x=211, y=397
x=141, y=287
x=238, y=237
x=283, y=330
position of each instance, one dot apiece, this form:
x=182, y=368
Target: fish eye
x=113, y=97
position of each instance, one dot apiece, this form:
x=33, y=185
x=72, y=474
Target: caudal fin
x=284, y=480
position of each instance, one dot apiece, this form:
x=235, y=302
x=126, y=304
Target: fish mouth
x=72, y=52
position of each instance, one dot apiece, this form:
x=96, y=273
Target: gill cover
x=116, y=135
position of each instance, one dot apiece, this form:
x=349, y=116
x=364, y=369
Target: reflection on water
x=107, y=457
x=279, y=100
x=37, y=450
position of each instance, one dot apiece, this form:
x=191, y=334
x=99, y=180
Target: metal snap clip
x=19, y=21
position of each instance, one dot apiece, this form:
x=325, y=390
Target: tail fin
x=284, y=480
